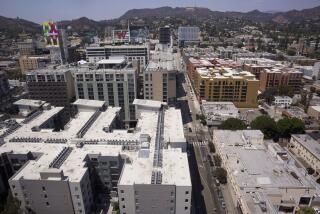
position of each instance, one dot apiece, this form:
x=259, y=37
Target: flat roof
x=113, y=60
x=89, y=103
x=47, y=143
x=256, y=172
x=148, y=103
x=29, y=102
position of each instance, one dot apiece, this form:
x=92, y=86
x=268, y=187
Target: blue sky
x=42, y=10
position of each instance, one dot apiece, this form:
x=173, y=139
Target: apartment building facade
x=116, y=86
x=276, y=77
x=159, y=78
x=227, y=85
x=28, y=63
x=53, y=85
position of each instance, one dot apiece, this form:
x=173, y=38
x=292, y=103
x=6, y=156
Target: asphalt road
x=205, y=198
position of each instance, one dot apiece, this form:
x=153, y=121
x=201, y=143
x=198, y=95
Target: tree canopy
x=288, y=126
x=233, y=124
x=267, y=125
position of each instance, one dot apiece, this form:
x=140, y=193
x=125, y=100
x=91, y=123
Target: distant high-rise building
x=165, y=35
x=4, y=91
x=114, y=81
x=27, y=47
x=187, y=35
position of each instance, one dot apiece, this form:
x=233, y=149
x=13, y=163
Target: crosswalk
x=201, y=143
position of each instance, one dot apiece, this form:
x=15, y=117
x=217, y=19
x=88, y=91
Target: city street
x=205, y=194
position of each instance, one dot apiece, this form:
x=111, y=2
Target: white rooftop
x=113, y=60
x=101, y=139
x=29, y=102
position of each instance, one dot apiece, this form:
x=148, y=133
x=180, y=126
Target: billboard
x=51, y=34
x=121, y=35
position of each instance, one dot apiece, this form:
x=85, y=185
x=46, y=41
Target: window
x=13, y=186
x=186, y=208
x=41, y=78
x=43, y=189
x=122, y=199
x=50, y=78
x=47, y=203
x=78, y=196
x=123, y=206
x=186, y=200
x=76, y=188
x=109, y=77
x=45, y=195
x=99, y=77
x=60, y=78
x=122, y=191
x=187, y=192
x=89, y=77
x=79, y=77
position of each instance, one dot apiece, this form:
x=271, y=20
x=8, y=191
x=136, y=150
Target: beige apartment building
x=28, y=63
x=159, y=78
x=227, y=85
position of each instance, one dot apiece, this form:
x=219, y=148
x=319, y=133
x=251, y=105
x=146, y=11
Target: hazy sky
x=42, y=10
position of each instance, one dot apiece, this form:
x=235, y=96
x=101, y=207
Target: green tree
x=267, y=125
x=233, y=124
x=306, y=210
x=221, y=174
x=289, y=126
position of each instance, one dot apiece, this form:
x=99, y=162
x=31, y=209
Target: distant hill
x=203, y=13
x=14, y=26
x=82, y=24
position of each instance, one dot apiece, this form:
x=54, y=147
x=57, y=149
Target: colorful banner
x=51, y=34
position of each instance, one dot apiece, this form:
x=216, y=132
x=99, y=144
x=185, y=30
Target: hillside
x=14, y=26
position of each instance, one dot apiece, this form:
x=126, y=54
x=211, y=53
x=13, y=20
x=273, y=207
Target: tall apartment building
x=132, y=53
x=53, y=85
x=28, y=63
x=262, y=176
x=5, y=96
x=27, y=47
x=227, y=85
x=256, y=65
x=165, y=35
x=78, y=168
x=281, y=76
x=188, y=35
x=114, y=81
x=159, y=78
